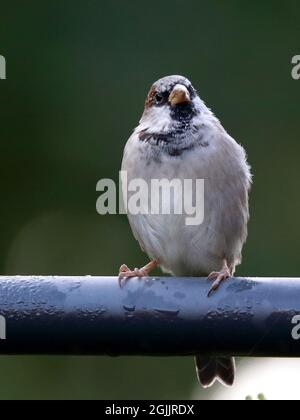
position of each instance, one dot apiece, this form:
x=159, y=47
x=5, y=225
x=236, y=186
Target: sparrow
x=180, y=137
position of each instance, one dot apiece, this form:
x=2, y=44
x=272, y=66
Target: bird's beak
x=179, y=95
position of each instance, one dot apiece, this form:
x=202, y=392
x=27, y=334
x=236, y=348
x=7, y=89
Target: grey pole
x=154, y=316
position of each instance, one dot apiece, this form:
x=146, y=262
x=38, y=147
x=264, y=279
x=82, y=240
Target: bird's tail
x=210, y=369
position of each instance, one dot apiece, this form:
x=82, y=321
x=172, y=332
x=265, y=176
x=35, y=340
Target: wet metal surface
x=154, y=316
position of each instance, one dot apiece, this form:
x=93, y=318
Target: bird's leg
x=126, y=273
x=219, y=277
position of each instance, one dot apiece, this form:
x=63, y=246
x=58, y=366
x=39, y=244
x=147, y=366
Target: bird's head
x=171, y=103
x=174, y=118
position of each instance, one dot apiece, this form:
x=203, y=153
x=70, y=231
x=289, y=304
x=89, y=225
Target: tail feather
x=210, y=369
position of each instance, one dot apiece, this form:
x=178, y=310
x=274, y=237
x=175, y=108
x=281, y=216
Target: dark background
x=77, y=76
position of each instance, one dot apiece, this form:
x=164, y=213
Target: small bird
x=180, y=137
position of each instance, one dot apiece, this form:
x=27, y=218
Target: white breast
x=195, y=250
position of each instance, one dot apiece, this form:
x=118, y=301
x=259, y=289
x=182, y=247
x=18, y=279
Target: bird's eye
x=159, y=98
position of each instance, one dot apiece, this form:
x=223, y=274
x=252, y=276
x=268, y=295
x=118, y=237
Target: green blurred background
x=77, y=76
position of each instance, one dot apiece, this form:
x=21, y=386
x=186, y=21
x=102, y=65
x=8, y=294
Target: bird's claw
x=218, y=278
x=214, y=287
x=125, y=273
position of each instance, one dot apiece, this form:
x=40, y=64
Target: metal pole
x=155, y=316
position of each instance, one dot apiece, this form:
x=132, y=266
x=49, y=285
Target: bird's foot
x=125, y=273
x=218, y=277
